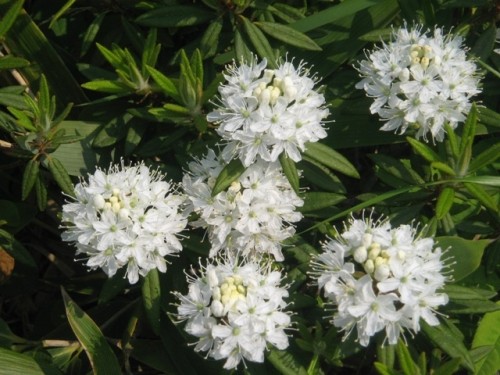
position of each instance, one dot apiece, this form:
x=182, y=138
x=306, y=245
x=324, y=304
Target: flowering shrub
x=381, y=278
x=125, y=216
x=420, y=81
x=234, y=135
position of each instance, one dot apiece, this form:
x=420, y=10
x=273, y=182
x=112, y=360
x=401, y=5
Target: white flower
x=380, y=278
x=126, y=216
x=235, y=308
x=420, y=81
x=253, y=216
x=264, y=112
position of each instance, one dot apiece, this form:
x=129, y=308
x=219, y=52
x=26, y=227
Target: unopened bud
x=367, y=239
x=382, y=272
x=360, y=254
x=212, y=278
x=404, y=75
x=424, y=61
x=369, y=266
x=217, y=308
x=268, y=75
x=99, y=201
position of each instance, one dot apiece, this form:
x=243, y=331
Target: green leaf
x=151, y=296
x=466, y=254
x=288, y=35
x=330, y=158
x=41, y=193
x=488, y=117
x=107, y=86
x=425, y=151
x=242, y=52
x=25, y=39
x=468, y=133
x=11, y=62
x=14, y=363
x=290, y=171
x=210, y=38
x=458, y=293
x=317, y=200
x=485, y=43
x=468, y=307
x=397, y=169
x=175, y=16
x=91, y=33
x=165, y=84
x=30, y=175
x=407, y=364
x=482, y=195
x=383, y=369
x=488, y=335
x=484, y=158
x=10, y=16
x=113, y=131
x=444, y=336
x=449, y=368
x=60, y=175
x=285, y=362
x=443, y=168
x=231, y=172
x=259, y=41
x=483, y=180
x=101, y=357
x=444, y=202
x=60, y=12
x=331, y=14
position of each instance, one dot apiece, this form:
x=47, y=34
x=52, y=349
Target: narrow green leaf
x=452, y=141
x=407, y=364
x=444, y=202
x=151, y=296
x=101, y=357
x=210, y=38
x=10, y=16
x=485, y=43
x=317, y=200
x=459, y=292
x=331, y=14
x=483, y=180
x=14, y=363
x=231, y=172
x=382, y=369
x=445, y=338
x=397, y=168
x=466, y=254
x=60, y=12
x=196, y=63
x=285, y=362
x=484, y=158
x=30, y=175
x=290, y=171
x=259, y=41
x=91, y=33
x=25, y=39
x=468, y=133
x=448, y=368
x=60, y=175
x=242, y=51
x=488, y=117
x=488, y=335
x=165, y=84
x=11, y=62
x=150, y=50
x=41, y=193
x=175, y=16
x=386, y=354
x=288, y=35
x=113, y=131
x=425, y=151
x=331, y=158
x=422, y=363
x=43, y=96
x=482, y=195
x=107, y=86
x=443, y=168
x=473, y=306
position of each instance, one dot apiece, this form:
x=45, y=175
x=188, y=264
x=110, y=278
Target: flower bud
x=369, y=266
x=382, y=272
x=360, y=254
x=217, y=308
x=99, y=201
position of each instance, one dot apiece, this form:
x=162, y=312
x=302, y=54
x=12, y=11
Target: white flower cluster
x=253, y=216
x=126, y=216
x=381, y=278
x=235, y=310
x=420, y=82
x=264, y=112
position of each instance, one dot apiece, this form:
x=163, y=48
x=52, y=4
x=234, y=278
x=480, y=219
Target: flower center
x=421, y=55
x=232, y=290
